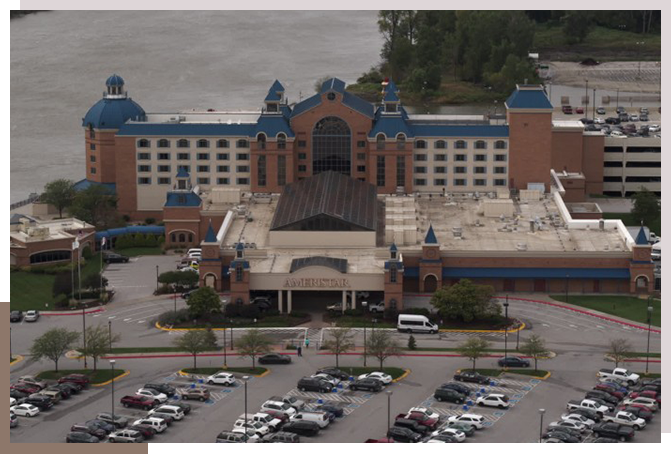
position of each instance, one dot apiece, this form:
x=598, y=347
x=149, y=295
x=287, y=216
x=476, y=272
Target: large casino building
x=338, y=194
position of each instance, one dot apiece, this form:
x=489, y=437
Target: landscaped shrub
x=150, y=221
x=86, y=253
x=354, y=312
x=174, y=318
x=62, y=285
x=250, y=311
x=62, y=301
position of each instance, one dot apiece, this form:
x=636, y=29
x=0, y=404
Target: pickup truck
x=589, y=404
x=620, y=373
x=626, y=419
x=613, y=430
x=421, y=418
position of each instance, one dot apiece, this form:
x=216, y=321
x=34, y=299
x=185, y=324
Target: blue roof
x=187, y=129
x=641, y=238
x=85, y=184
x=390, y=96
x=358, y=104
x=537, y=273
x=183, y=199
x=210, y=236
x=273, y=124
x=306, y=104
x=393, y=247
x=239, y=247
x=391, y=87
x=276, y=86
x=286, y=111
x=114, y=81
x=273, y=97
x=182, y=173
x=528, y=99
x=430, y=236
x=112, y=113
x=433, y=130
x=390, y=126
x=333, y=84
x=145, y=229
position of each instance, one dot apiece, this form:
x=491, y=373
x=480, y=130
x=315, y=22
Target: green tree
x=62, y=284
x=202, y=302
x=253, y=344
x=577, y=25
x=95, y=205
x=535, y=348
x=341, y=341
x=466, y=301
x=473, y=349
x=647, y=208
x=53, y=344
x=59, y=193
x=381, y=344
x=195, y=342
x=181, y=278
x=618, y=350
x=92, y=282
x=412, y=343
x=320, y=82
x=98, y=342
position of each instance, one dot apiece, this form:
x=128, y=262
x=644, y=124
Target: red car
x=277, y=414
x=649, y=394
x=579, y=110
x=381, y=440
x=145, y=403
x=25, y=388
x=608, y=389
x=78, y=379
x=421, y=418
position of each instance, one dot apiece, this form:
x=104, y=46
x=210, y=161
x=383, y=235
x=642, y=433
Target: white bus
x=416, y=324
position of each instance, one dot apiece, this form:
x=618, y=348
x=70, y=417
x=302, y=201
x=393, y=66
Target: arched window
x=440, y=144
x=202, y=143
x=420, y=144
x=281, y=141
x=261, y=141
x=393, y=278
x=182, y=238
x=242, y=143
x=380, y=140
x=331, y=146
x=500, y=145
x=173, y=238
x=92, y=133
x=190, y=237
x=460, y=144
x=164, y=143
x=182, y=143
x=143, y=143
x=400, y=142
x=238, y=272
x=222, y=143
x=480, y=145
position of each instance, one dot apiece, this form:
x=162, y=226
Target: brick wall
x=530, y=153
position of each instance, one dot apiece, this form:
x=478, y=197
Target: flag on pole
x=103, y=243
x=75, y=245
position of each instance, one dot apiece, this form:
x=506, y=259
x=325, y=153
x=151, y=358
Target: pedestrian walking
x=307, y=343
x=299, y=350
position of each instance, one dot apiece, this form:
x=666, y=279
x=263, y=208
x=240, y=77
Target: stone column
x=344, y=300
x=280, y=293
x=288, y=301
x=353, y=293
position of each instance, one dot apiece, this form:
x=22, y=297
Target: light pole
x=175, y=298
x=586, y=96
x=365, y=348
x=156, y=278
x=566, y=288
x=540, y=434
x=112, y=362
x=617, y=100
x=389, y=393
x=10, y=344
x=505, y=336
x=109, y=333
x=593, y=103
x=84, y=334
x=647, y=356
x=231, y=329
x=223, y=338
x=245, y=379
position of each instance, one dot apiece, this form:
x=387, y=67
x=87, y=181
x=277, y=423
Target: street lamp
x=540, y=435
x=505, y=336
x=109, y=333
x=10, y=345
x=84, y=333
x=156, y=278
x=389, y=393
x=586, y=96
x=245, y=379
x=365, y=348
x=112, y=362
x=647, y=356
x=231, y=329
x=174, y=291
x=566, y=288
x=223, y=338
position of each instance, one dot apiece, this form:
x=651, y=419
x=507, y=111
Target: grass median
x=498, y=372
x=628, y=307
x=395, y=372
x=95, y=377
x=216, y=370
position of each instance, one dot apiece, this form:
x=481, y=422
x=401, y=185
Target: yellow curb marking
x=17, y=359
x=159, y=326
x=514, y=330
x=531, y=376
x=114, y=379
x=405, y=374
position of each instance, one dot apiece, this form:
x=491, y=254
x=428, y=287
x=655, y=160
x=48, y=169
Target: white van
x=319, y=417
x=410, y=323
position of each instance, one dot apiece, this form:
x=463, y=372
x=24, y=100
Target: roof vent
x=521, y=246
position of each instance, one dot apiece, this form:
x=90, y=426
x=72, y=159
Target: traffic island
x=254, y=371
x=539, y=373
x=15, y=359
x=100, y=377
x=396, y=373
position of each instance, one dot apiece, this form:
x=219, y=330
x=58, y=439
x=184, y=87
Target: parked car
x=158, y=424
x=32, y=316
x=32, y=381
x=458, y=435
x=41, y=402
x=15, y=316
x=333, y=372
x=600, y=110
x=274, y=406
x=472, y=377
x=412, y=425
x=230, y=437
x=314, y=384
x=117, y=421
x=381, y=376
x=186, y=408
x=322, y=418
x=609, y=390
x=162, y=388
x=633, y=117
x=639, y=412
x=174, y=412
x=81, y=437
x=513, y=361
x=403, y=435
x=603, y=396
x=468, y=429
x=281, y=437
x=28, y=410
x=366, y=384
x=13, y=420
x=158, y=396
x=107, y=427
x=262, y=302
x=564, y=437
x=575, y=425
x=575, y=417
x=126, y=436
x=579, y=110
x=18, y=395
x=295, y=402
x=650, y=404
x=613, y=430
x=146, y=432
x=449, y=395
x=89, y=429
x=24, y=388
x=221, y=378
x=650, y=394
x=567, y=110
x=201, y=394
x=78, y=379
x=142, y=402
x=459, y=387
x=111, y=257
x=275, y=358
x=468, y=418
x=493, y=400
x=331, y=407
x=327, y=378
x=64, y=391
x=305, y=428
x=421, y=418
x=644, y=117
x=54, y=395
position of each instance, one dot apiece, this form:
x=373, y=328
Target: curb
x=503, y=372
x=17, y=359
x=634, y=359
x=97, y=385
x=75, y=312
x=163, y=328
x=176, y=355
x=502, y=331
x=405, y=374
x=185, y=374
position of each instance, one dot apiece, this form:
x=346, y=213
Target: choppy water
x=170, y=61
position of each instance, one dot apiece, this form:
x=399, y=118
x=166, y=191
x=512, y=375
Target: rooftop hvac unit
x=521, y=246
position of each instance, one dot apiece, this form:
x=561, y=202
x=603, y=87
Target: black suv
x=366, y=384
x=64, y=391
x=306, y=428
x=458, y=387
x=314, y=384
x=163, y=388
x=513, y=361
x=449, y=395
x=403, y=435
x=89, y=429
x=412, y=425
x=81, y=437
x=612, y=400
x=275, y=358
x=333, y=372
x=472, y=377
x=281, y=437
x=15, y=316
x=41, y=402
x=111, y=257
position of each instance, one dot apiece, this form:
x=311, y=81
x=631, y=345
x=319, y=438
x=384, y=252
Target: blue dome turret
x=114, y=109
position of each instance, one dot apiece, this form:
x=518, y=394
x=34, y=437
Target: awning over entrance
x=336, y=264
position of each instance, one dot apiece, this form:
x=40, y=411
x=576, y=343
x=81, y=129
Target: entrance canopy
x=339, y=265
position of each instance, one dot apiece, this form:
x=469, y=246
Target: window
x=222, y=156
x=281, y=170
x=479, y=182
x=143, y=156
x=440, y=157
x=500, y=145
x=420, y=157
x=420, y=182
x=360, y=168
x=393, y=276
x=460, y=157
x=184, y=167
x=331, y=146
x=440, y=182
x=420, y=144
x=612, y=164
x=499, y=182
x=261, y=142
x=302, y=144
x=480, y=145
x=203, y=180
x=163, y=143
x=644, y=149
x=242, y=143
x=380, y=140
x=400, y=142
x=400, y=171
x=420, y=170
x=203, y=168
x=361, y=156
x=361, y=144
x=302, y=155
x=242, y=156
x=643, y=180
x=92, y=158
x=223, y=181
x=222, y=143
x=164, y=180
x=481, y=157
x=302, y=168
x=164, y=156
x=93, y=146
x=244, y=181
x=499, y=170
x=164, y=168
x=183, y=156
x=143, y=143
x=242, y=169
x=440, y=170
x=331, y=96
x=612, y=179
x=261, y=171
x=613, y=149
x=223, y=169
x=460, y=170
x=500, y=158
x=182, y=143
x=93, y=170
x=480, y=169
x=92, y=133
x=238, y=272
x=50, y=256
x=460, y=145
x=380, y=180
x=203, y=156
x=440, y=144
x=272, y=107
x=281, y=142
x=144, y=180
x=644, y=164
x=459, y=182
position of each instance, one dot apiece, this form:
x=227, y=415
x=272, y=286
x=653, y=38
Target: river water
x=170, y=61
